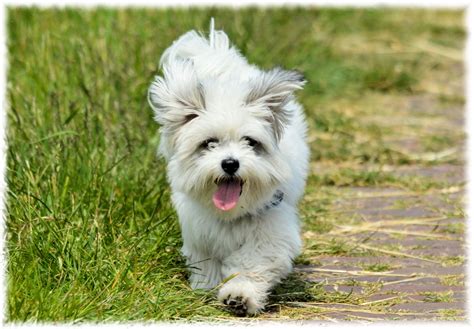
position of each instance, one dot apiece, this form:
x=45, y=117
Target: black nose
x=230, y=165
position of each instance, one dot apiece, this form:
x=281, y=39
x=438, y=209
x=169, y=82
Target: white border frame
x=469, y=127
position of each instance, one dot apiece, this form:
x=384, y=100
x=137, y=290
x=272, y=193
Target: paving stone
x=428, y=307
x=379, y=214
x=433, y=269
x=413, y=288
x=450, y=173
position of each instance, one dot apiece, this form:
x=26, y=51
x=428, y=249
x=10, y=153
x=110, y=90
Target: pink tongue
x=227, y=195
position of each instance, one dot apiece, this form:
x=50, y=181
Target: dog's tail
x=211, y=33
x=193, y=44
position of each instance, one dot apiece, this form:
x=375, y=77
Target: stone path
x=416, y=241
x=392, y=253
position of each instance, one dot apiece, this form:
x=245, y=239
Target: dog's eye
x=251, y=142
x=209, y=143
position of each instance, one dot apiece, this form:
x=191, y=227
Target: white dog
x=234, y=139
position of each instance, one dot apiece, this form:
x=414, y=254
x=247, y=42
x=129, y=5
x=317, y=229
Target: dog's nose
x=230, y=165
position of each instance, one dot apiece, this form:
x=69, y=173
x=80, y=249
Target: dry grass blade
x=376, y=228
x=430, y=47
x=367, y=195
x=402, y=281
x=429, y=156
x=328, y=308
x=422, y=234
x=361, y=273
x=392, y=222
x=395, y=253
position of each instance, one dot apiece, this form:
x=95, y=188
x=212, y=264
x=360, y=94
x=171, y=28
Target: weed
x=378, y=267
x=452, y=280
x=438, y=297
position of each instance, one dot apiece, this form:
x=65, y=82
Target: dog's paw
x=241, y=298
x=237, y=305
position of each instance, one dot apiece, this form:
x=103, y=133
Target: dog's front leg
x=260, y=263
x=205, y=272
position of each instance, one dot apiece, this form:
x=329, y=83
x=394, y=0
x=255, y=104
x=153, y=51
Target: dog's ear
x=274, y=89
x=177, y=97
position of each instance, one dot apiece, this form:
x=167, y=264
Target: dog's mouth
x=228, y=192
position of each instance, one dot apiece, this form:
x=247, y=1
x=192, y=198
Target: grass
x=378, y=267
x=450, y=315
x=91, y=233
x=438, y=297
x=453, y=280
x=453, y=260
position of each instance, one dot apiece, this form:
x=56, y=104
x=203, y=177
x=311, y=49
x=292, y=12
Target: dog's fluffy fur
x=212, y=105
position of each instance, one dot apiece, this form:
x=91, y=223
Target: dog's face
x=221, y=137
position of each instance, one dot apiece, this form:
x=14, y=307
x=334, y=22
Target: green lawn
x=91, y=233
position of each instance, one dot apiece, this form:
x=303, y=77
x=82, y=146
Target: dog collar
x=274, y=202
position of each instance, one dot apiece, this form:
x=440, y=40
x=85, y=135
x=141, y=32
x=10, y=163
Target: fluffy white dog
x=234, y=139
